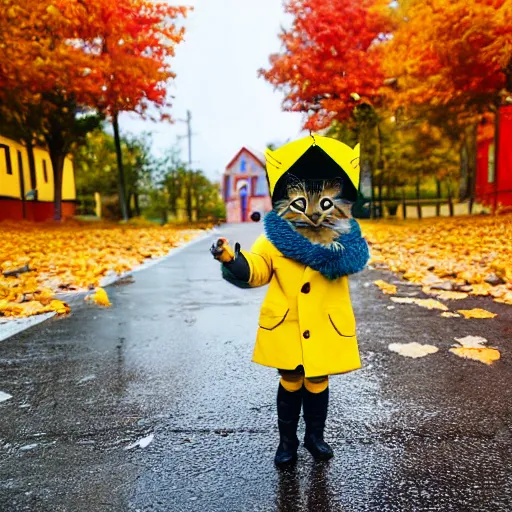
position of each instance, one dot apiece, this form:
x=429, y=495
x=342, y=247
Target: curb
x=10, y=327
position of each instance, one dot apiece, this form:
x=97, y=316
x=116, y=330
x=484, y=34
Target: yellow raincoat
x=305, y=319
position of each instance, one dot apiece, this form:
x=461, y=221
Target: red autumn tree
x=329, y=58
x=132, y=42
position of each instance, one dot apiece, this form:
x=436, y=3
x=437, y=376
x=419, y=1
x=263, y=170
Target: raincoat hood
x=313, y=157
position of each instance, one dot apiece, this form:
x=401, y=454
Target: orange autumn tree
x=29, y=39
x=453, y=54
x=66, y=60
x=451, y=62
x=132, y=42
x=328, y=59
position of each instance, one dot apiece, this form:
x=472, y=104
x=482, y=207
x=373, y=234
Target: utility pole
x=189, y=136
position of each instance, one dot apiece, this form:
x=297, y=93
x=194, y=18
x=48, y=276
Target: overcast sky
x=226, y=42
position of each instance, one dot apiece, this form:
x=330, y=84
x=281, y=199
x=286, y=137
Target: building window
x=490, y=164
x=243, y=164
x=261, y=186
x=229, y=185
x=45, y=171
x=5, y=159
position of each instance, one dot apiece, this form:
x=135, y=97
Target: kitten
x=315, y=209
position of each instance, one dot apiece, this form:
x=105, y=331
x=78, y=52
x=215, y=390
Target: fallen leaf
x=100, y=297
x=481, y=289
x=451, y=295
x=403, y=300
x=28, y=447
x=387, y=288
x=86, y=379
x=73, y=256
x=412, y=349
x=471, y=341
x=449, y=314
x=484, y=355
x=61, y=308
x=467, y=254
x=504, y=298
x=476, y=313
x=424, y=303
x=4, y=396
x=143, y=443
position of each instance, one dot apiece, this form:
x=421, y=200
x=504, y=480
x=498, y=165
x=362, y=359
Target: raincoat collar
x=348, y=256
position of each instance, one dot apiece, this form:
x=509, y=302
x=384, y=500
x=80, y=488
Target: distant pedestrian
x=311, y=244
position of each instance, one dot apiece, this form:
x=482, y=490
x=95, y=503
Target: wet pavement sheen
x=172, y=358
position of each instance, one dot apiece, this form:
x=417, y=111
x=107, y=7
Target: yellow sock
x=292, y=383
x=317, y=384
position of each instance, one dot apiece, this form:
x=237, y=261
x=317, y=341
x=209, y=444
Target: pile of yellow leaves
x=462, y=254
x=72, y=257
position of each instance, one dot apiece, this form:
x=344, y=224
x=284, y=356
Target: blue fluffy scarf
x=332, y=263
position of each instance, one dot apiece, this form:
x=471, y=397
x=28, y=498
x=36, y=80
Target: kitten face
x=315, y=209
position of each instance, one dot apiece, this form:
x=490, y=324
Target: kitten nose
x=314, y=217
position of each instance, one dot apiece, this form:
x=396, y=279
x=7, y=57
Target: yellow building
x=27, y=193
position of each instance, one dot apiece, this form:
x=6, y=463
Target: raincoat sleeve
x=260, y=262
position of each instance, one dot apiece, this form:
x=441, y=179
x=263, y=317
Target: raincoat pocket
x=272, y=316
x=343, y=322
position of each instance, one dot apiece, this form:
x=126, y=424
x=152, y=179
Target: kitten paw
x=221, y=251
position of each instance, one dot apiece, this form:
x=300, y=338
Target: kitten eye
x=299, y=204
x=326, y=204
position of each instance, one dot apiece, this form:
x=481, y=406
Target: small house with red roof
x=245, y=186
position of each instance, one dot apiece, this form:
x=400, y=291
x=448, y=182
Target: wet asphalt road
x=172, y=358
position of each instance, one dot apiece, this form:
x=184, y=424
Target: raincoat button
x=306, y=288
x=306, y=334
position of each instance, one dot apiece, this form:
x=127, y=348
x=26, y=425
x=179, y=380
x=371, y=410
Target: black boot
x=315, y=414
x=288, y=413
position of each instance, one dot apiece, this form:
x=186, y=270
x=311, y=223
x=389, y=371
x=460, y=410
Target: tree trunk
x=189, y=196
x=172, y=188
x=22, y=183
x=379, y=189
x=129, y=195
x=470, y=141
x=58, y=147
x=464, y=181
x=366, y=167
x=57, y=157
x=418, y=193
x=438, y=204
x=380, y=167
x=31, y=164
x=450, y=200
x=136, y=204
x=120, y=168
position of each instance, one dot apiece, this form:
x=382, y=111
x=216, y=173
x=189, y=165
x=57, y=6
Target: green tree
x=95, y=164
